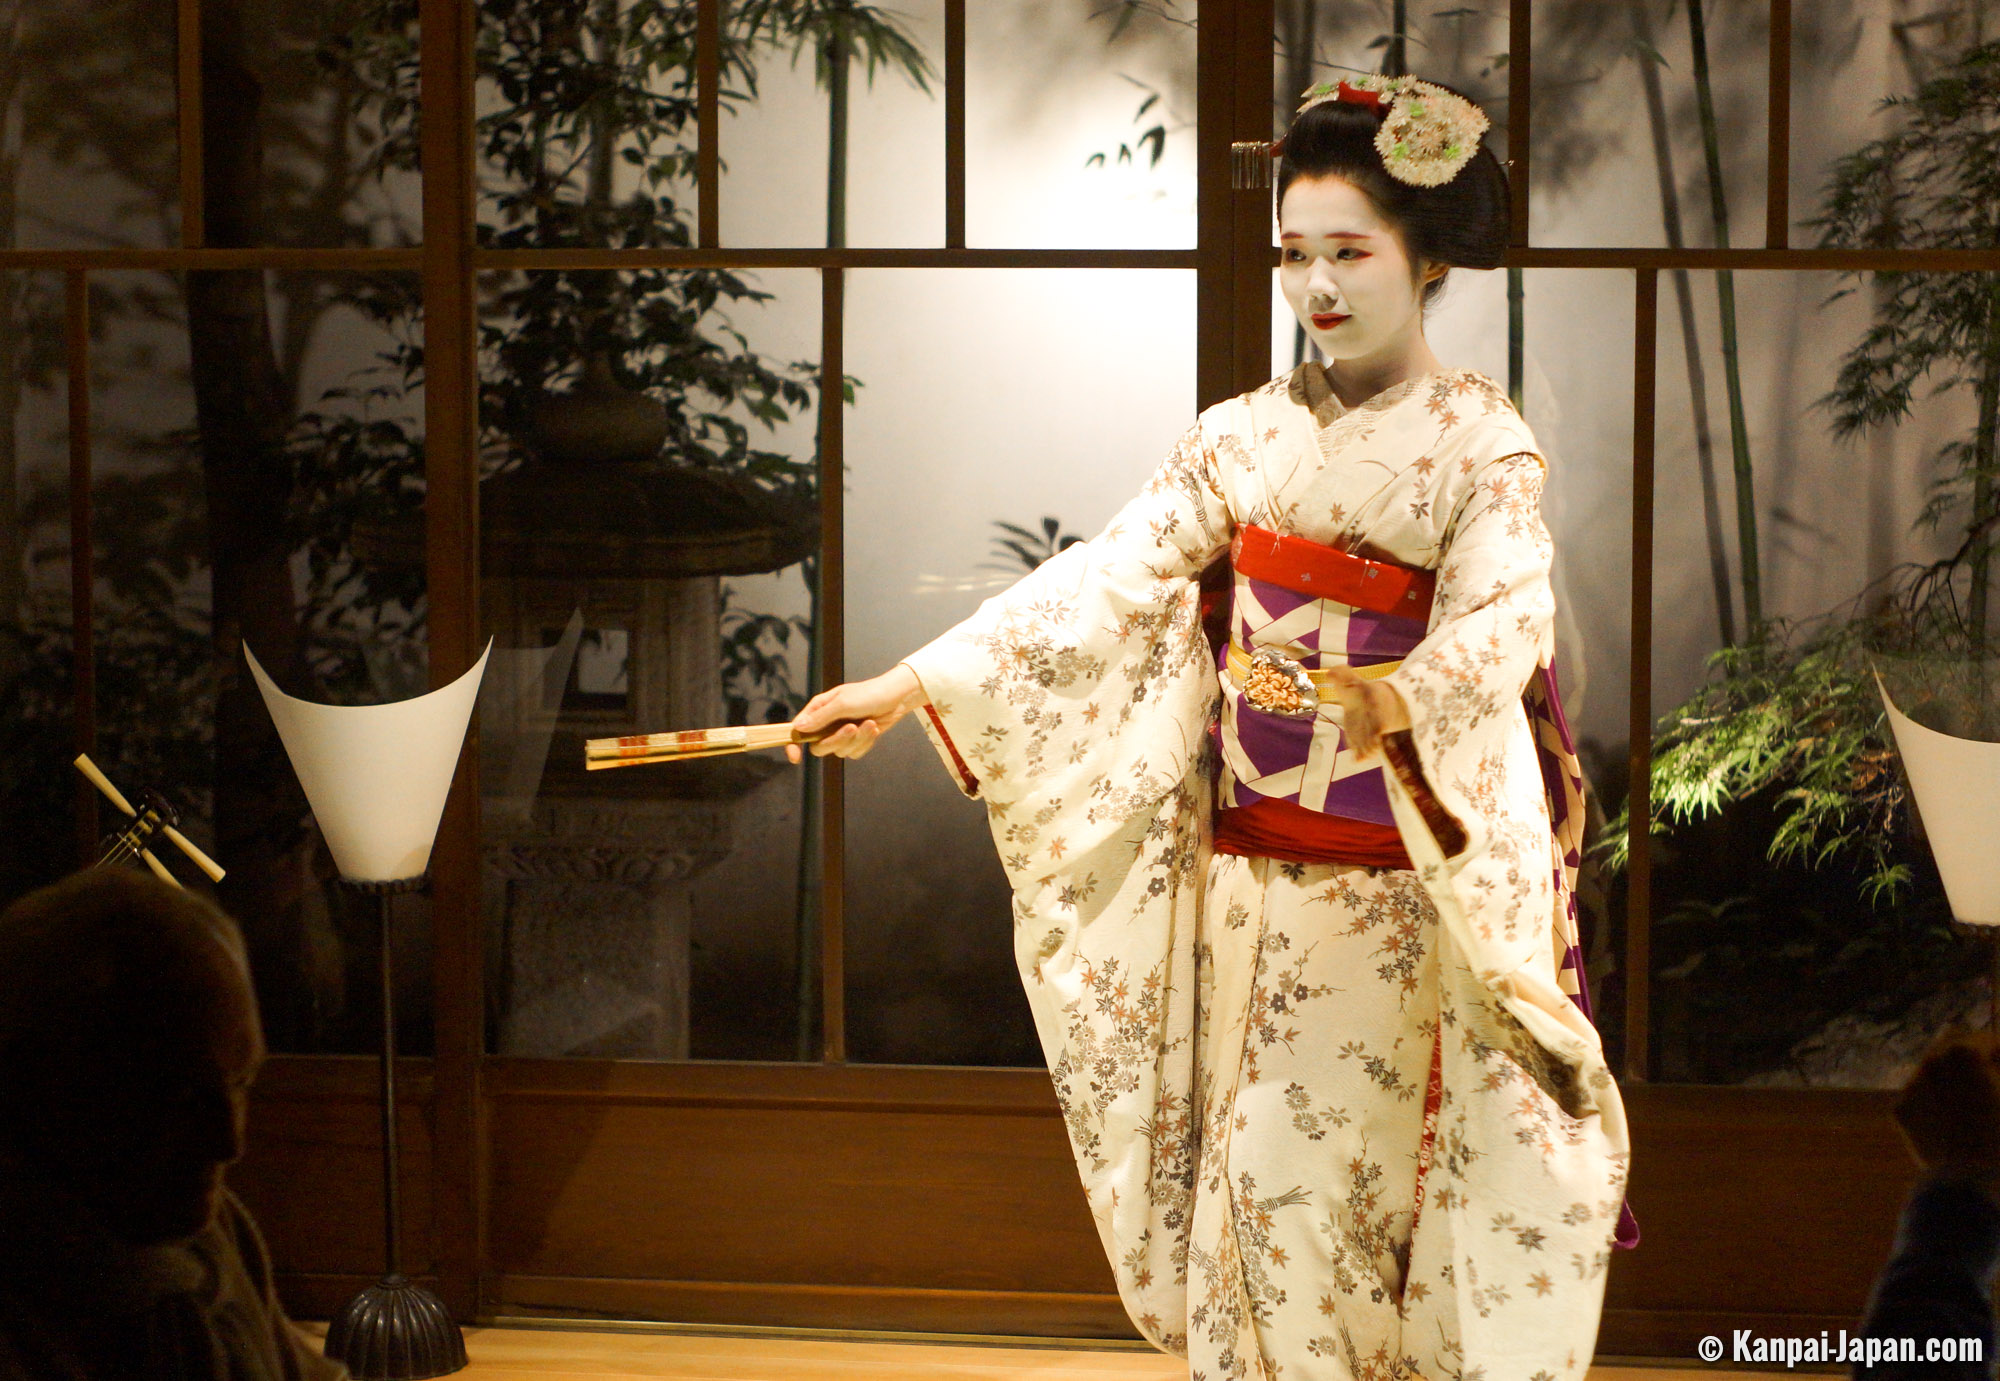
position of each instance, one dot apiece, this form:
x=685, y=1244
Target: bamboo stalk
x=1725, y=289
x=839, y=59
x=1517, y=333
x=1984, y=447
x=1670, y=215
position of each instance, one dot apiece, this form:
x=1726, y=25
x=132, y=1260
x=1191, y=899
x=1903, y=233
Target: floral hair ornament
x=1428, y=133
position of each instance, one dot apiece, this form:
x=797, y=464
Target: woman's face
x=1346, y=271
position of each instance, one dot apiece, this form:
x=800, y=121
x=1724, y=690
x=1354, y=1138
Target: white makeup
x=1340, y=259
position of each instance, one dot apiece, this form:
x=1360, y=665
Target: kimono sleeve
x=1045, y=675
x=1491, y=627
x=1492, y=614
x=1077, y=704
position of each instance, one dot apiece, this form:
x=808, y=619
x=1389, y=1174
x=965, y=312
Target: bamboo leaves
x=1932, y=183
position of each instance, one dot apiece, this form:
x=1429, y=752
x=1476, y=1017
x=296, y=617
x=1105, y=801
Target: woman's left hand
x=1368, y=710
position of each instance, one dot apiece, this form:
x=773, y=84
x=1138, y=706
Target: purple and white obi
x=1305, y=761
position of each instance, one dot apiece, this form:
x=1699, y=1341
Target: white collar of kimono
x=1310, y=388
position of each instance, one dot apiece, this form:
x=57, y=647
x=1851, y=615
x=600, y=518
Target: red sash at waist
x=1305, y=567
x=1287, y=831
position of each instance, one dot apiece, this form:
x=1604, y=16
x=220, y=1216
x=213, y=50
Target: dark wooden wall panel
x=864, y=1205
x=884, y=1198
x=806, y=1177
x=312, y=1175
x=1758, y=1208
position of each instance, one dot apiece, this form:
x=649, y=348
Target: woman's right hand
x=870, y=708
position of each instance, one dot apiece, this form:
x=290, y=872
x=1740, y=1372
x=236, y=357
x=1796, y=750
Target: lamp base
x=396, y=1331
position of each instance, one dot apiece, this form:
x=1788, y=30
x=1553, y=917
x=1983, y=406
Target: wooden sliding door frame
x=451, y=550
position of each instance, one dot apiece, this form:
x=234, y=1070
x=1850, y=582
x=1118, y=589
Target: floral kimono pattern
x=1332, y=1121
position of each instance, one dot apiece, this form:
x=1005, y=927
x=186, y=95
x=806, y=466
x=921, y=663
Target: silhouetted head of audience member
x=128, y=1040
x=1950, y=1110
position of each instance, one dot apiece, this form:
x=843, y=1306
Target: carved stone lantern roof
x=648, y=520
x=596, y=500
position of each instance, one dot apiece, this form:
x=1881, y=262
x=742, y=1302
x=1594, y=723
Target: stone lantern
x=588, y=888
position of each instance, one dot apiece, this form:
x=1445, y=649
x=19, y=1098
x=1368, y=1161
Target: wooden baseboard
x=320, y=1295
x=847, y=1307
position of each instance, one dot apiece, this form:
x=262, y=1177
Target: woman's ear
x=1433, y=272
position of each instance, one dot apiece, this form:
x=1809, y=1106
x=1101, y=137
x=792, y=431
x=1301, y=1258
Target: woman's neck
x=1356, y=381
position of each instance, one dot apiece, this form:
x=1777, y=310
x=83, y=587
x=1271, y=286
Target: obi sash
x=1290, y=787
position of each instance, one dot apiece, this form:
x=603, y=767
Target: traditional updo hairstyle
x=1462, y=223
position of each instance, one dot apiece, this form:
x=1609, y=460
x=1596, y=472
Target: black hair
x=1462, y=224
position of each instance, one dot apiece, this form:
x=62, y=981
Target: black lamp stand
x=395, y=1330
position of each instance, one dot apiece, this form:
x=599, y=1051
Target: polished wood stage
x=548, y=1354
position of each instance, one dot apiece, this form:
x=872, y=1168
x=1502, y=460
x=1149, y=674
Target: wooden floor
x=530, y=1354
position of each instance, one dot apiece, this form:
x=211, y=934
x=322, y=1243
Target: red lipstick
x=1326, y=321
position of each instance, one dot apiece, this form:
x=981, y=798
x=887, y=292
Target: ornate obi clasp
x=1277, y=684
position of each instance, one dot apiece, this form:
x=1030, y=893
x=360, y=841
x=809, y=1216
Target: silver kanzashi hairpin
x=1428, y=133
x=1250, y=163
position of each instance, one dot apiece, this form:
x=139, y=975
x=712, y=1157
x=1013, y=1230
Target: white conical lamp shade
x=376, y=775
x=1957, y=785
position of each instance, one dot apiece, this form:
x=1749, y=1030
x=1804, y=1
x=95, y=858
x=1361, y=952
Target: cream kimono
x=1242, y=1047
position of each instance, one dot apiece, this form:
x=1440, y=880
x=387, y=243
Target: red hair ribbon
x=1354, y=95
